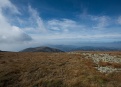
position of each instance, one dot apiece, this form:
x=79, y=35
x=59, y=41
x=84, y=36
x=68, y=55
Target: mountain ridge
x=41, y=49
x=91, y=48
x=68, y=48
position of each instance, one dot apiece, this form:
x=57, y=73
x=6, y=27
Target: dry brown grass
x=114, y=65
x=53, y=70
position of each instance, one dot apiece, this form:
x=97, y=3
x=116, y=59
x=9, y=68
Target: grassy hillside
x=74, y=69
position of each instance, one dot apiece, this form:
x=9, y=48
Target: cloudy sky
x=26, y=23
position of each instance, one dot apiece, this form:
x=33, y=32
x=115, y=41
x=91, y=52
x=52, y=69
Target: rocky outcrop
x=104, y=58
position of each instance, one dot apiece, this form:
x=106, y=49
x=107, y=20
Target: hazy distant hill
x=89, y=48
x=3, y=51
x=41, y=49
x=113, y=46
x=64, y=47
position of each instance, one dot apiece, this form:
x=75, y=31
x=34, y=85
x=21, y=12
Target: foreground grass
x=53, y=70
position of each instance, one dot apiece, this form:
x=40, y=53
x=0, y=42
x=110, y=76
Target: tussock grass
x=54, y=70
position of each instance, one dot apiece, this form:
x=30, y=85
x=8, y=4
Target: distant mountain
x=100, y=46
x=41, y=49
x=117, y=42
x=3, y=51
x=90, y=48
x=87, y=46
x=64, y=47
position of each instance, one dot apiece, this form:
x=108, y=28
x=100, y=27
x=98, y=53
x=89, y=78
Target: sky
x=29, y=23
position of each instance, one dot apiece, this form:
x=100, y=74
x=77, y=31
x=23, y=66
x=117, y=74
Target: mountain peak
x=41, y=49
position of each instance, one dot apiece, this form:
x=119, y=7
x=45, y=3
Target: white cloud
x=63, y=38
x=119, y=20
x=6, y=4
x=70, y=29
x=102, y=21
x=13, y=35
x=36, y=22
x=64, y=25
x=10, y=33
x=98, y=22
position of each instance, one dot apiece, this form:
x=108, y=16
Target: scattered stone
x=104, y=58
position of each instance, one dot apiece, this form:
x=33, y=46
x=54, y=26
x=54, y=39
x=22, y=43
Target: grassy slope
x=53, y=70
